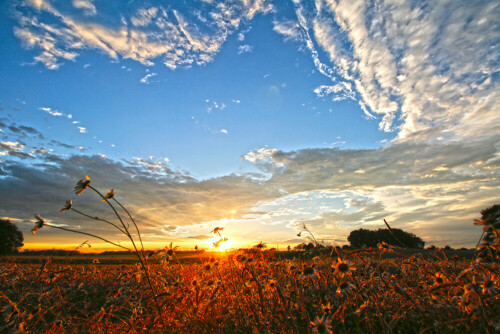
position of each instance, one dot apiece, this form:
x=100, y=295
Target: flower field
x=256, y=291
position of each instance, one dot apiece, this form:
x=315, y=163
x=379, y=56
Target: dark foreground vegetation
x=255, y=291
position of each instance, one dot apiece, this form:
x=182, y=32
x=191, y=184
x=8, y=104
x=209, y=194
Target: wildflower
x=260, y=245
x=440, y=279
x=384, y=247
x=67, y=206
x=109, y=195
x=217, y=230
x=170, y=250
x=271, y=283
x=96, y=261
x=344, y=267
x=308, y=272
x=489, y=287
x=345, y=287
x=467, y=303
x=82, y=185
x=321, y=325
x=38, y=224
x=326, y=308
x=384, y=275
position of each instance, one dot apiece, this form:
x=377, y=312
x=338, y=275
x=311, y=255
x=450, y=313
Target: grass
x=255, y=291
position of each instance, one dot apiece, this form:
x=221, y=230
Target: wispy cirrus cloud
x=413, y=65
x=176, y=36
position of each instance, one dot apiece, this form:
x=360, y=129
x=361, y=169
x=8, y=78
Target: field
x=256, y=291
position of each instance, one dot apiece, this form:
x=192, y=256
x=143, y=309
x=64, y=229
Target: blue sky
x=254, y=115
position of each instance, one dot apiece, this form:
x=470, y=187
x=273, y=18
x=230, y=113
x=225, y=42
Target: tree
x=11, y=239
x=370, y=238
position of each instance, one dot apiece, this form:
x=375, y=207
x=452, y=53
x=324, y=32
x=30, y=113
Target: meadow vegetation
x=258, y=290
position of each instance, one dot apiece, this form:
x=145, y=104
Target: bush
x=11, y=239
x=369, y=238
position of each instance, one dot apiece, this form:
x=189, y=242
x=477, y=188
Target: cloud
x=55, y=112
x=81, y=129
x=263, y=154
x=155, y=193
x=289, y=29
x=224, y=131
x=87, y=6
x=422, y=69
x=145, y=79
x=340, y=91
x=14, y=149
x=245, y=48
x=175, y=37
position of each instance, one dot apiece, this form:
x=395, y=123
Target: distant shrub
x=11, y=239
x=370, y=238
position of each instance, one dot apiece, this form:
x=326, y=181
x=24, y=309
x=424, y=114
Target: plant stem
x=89, y=234
x=99, y=219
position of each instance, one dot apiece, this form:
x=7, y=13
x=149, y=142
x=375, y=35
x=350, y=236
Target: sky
x=252, y=115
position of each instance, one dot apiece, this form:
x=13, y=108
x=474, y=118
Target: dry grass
x=253, y=291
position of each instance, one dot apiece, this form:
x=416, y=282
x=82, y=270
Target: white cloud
x=86, y=5
x=145, y=79
x=289, y=29
x=262, y=154
x=341, y=91
x=224, y=131
x=153, y=32
x=245, y=48
x=81, y=129
x=52, y=112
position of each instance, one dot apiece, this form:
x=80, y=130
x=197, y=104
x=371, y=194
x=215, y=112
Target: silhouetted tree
x=11, y=239
x=370, y=238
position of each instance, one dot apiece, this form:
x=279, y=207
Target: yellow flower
x=440, y=279
x=109, y=195
x=67, y=206
x=326, y=308
x=82, y=185
x=384, y=247
x=38, y=224
x=344, y=267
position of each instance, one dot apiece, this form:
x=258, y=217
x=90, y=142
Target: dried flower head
x=82, y=185
x=321, y=325
x=344, y=267
x=38, y=224
x=384, y=247
x=440, y=279
x=67, y=206
x=326, y=308
x=345, y=287
x=217, y=230
x=489, y=287
x=109, y=195
x=308, y=272
x=260, y=245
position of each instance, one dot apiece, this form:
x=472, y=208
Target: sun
x=225, y=245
